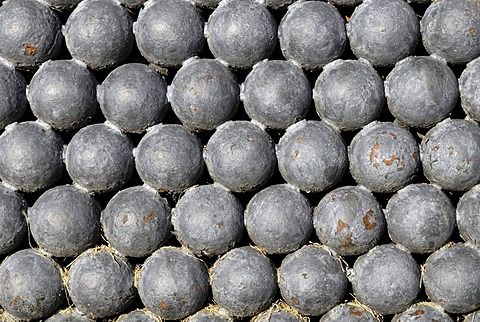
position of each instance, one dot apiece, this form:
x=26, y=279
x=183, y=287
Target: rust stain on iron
x=295, y=155
x=29, y=50
x=373, y=150
x=417, y=312
x=341, y=225
x=347, y=242
x=366, y=220
x=353, y=311
x=390, y=161
x=149, y=217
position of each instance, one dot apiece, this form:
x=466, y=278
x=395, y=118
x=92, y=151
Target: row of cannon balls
x=102, y=34
x=208, y=220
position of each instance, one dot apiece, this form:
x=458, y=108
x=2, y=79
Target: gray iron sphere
x=173, y=284
x=349, y=220
x=204, y=94
x=421, y=91
x=99, y=33
x=209, y=314
x=31, y=156
x=279, y=312
x=68, y=315
x=63, y=94
x=278, y=219
x=243, y=282
x=169, y=157
x=312, y=156
x=450, y=154
x=136, y=221
x=240, y=156
x=12, y=91
x=30, y=33
x=241, y=32
x=383, y=157
x=469, y=86
x=468, y=215
x=423, y=312
x=13, y=231
x=312, y=34
x=100, y=283
x=168, y=32
x=65, y=221
x=452, y=279
x=386, y=279
x=138, y=316
x=99, y=158
x=451, y=29
x=420, y=217
x=351, y=312
x=32, y=286
x=208, y=220
x=276, y=94
x=383, y=31
x=312, y=280
x=133, y=97
x=349, y=94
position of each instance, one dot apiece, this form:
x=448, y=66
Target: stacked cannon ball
x=240, y=160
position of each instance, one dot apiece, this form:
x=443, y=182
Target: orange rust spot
x=471, y=31
x=295, y=155
x=347, y=242
x=450, y=149
x=29, y=50
x=366, y=220
x=294, y=301
x=341, y=225
x=300, y=140
x=376, y=164
x=249, y=138
x=219, y=225
x=365, y=86
x=347, y=18
x=417, y=312
x=393, y=135
x=373, y=150
x=16, y=300
x=414, y=155
x=355, y=312
x=390, y=161
x=149, y=217
x=163, y=305
x=436, y=148
x=124, y=219
x=333, y=197
x=458, y=168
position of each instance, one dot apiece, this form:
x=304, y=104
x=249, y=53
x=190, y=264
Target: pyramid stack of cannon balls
x=240, y=160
